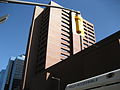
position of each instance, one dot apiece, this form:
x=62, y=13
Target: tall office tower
x=53, y=38
x=17, y=72
x=5, y=85
x=13, y=74
x=2, y=76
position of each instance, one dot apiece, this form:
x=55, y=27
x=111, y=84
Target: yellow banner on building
x=79, y=25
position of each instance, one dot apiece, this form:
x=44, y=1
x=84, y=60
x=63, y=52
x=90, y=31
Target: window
x=85, y=44
x=91, y=43
x=85, y=40
x=91, y=36
x=66, y=15
x=90, y=25
x=90, y=32
x=66, y=19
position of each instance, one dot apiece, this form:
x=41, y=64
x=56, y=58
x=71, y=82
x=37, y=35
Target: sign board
x=107, y=81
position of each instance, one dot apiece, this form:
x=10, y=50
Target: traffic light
x=79, y=25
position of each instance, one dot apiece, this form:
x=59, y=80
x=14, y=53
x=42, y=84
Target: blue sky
x=104, y=14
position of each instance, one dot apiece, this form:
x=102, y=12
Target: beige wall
x=32, y=49
x=54, y=37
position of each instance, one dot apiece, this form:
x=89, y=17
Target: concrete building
x=52, y=39
x=100, y=58
x=2, y=76
x=13, y=74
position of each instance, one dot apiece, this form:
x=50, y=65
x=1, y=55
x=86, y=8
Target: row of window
x=43, y=38
x=45, y=13
x=65, y=28
x=68, y=32
x=65, y=22
x=62, y=54
x=65, y=44
x=88, y=24
x=65, y=35
x=63, y=57
x=42, y=41
x=92, y=39
x=91, y=43
x=67, y=19
x=66, y=11
x=88, y=27
x=88, y=31
x=87, y=43
x=89, y=35
x=66, y=15
x=85, y=40
x=45, y=21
